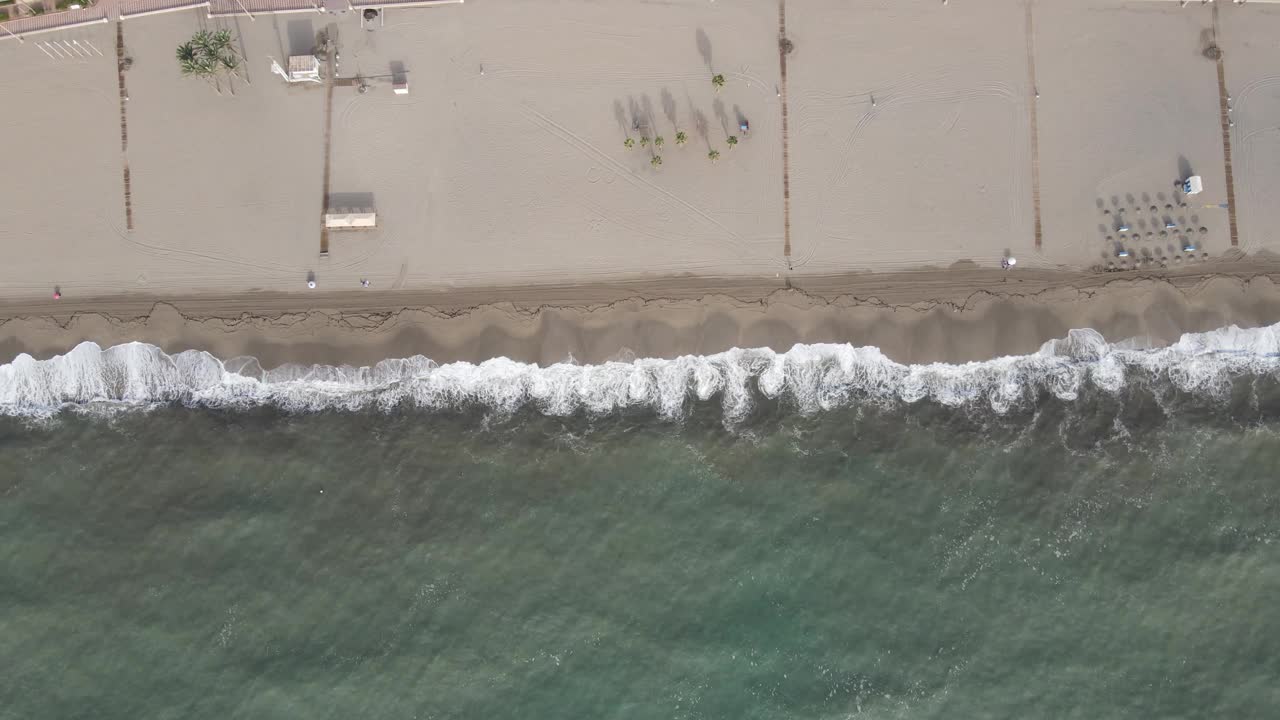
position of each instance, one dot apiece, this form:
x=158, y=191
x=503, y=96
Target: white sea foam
x=812, y=377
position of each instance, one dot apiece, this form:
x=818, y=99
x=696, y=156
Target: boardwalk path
x=1034, y=100
x=1224, y=113
x=124, y=125
x=783, y=46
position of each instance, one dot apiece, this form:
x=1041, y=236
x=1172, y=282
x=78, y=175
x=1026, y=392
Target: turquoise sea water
x=1117, y=555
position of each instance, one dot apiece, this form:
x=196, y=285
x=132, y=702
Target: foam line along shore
x=809, y=377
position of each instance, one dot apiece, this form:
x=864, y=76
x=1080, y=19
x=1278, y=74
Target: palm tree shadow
x=649, y=119
x=669, y=108
x=718, y=108
x=704, y=49
x=244, y=54
x=634, y=110
x=700, y=126
x=620, y=114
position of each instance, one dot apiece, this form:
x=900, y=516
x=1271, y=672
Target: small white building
x=342, y=220
x=302, y=68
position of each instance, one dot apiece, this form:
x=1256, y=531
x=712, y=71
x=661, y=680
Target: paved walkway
x=786, y=159
x=112, y=10
x=55, y=20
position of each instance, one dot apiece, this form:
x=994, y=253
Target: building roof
x=303, y=65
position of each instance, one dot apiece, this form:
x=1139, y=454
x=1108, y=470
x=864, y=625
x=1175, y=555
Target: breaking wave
x=811, y=377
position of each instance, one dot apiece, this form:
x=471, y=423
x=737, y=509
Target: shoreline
x=956, y=315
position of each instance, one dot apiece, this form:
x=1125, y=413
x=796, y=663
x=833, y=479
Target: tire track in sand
x=1253, y=179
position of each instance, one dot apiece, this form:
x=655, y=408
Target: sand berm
x=955, y=315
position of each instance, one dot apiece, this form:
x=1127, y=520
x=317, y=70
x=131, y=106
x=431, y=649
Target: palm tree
x=718, y=81
x=658, y=142
x=189, y=60
x=656, y=160
x=628, y=143
x=194, y=62
x=733, y=140
x=208, y=55
x=714, y=155
x=644, y=142
x=230, y=63
x=681, y=138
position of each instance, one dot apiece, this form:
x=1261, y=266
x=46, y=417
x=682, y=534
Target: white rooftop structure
x=340, y=220
x=302, y=68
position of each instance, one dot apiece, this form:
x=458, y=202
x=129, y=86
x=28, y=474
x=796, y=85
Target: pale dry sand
x=1253, y=81
x=1128, y=104
x=502, y=176
x=517, y=175
x=520, y=174
x=937, y=170
x=60, y=187
x=225, y=188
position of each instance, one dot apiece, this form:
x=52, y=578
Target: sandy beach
x=951, y=316
x=907, y=149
